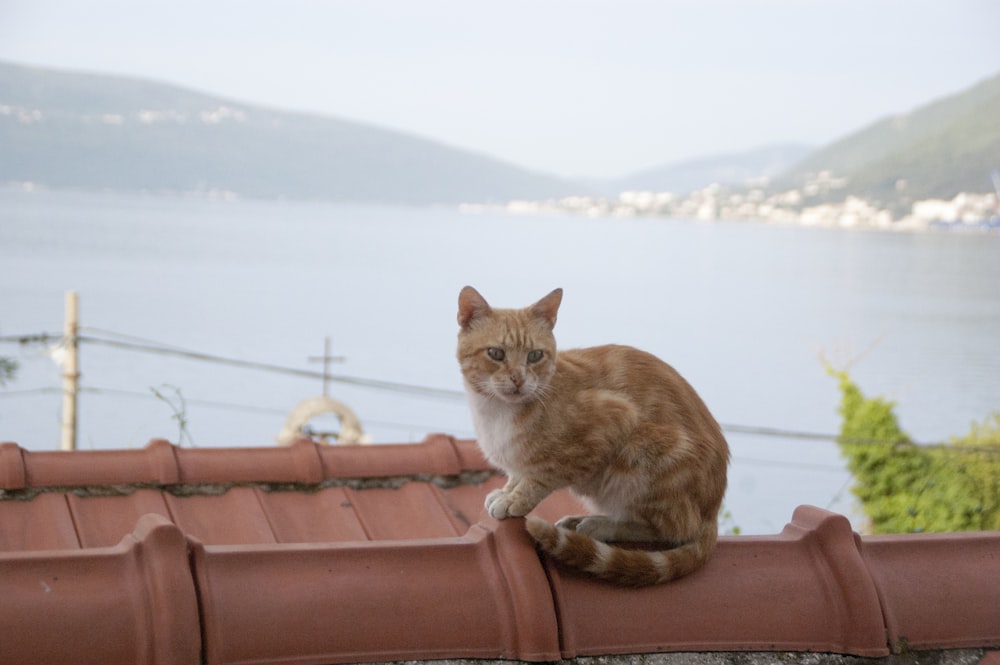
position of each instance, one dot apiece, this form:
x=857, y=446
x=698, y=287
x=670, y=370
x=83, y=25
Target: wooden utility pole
x=71, y=373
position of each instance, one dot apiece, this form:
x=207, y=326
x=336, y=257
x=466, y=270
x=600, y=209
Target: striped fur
x=624, y=567
x=617, y=426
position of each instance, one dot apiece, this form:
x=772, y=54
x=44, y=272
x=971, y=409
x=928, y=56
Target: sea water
x=744, y=311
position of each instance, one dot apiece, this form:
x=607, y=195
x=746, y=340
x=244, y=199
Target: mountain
x=936, y=151
x=74, y=130
x=734, y=168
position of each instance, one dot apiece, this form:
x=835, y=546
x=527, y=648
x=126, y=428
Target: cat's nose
x=517, y=379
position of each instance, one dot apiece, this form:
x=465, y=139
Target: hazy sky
x=574, y=87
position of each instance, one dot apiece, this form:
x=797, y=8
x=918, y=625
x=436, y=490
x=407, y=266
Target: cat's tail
x=625, y=567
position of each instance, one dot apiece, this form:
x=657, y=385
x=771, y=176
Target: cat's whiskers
x=542, y=395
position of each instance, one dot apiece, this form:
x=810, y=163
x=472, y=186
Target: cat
x=617, y=426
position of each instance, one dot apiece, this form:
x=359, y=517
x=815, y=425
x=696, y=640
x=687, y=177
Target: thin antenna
x=326, y=359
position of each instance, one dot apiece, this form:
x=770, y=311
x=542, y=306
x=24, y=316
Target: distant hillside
x=62, y=129
x=725, y=169
x=936, y=151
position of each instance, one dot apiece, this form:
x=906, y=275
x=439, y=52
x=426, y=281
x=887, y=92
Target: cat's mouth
x=506, y=392
x=514, y=394
x=509, y=393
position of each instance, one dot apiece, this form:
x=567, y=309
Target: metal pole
x=327, y=359
x=71, y=373
x=326, y=366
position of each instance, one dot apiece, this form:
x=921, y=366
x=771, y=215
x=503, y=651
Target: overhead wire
x=133, y=343
x=144, y=345
x=156, y=348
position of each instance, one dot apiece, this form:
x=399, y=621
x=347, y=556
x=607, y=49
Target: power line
x=153, y=348
x=777, y=432
x=138, y=344
x=736, y=429
x=232, y=406
x=25, y=392
x=142, y=345
x=806, y=466
x=133, y=394
x=129, y=338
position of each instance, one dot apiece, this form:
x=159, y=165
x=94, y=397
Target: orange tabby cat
x=619, y=427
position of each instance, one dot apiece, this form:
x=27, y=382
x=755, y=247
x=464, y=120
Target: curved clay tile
x=320, y=554
x=130, y=603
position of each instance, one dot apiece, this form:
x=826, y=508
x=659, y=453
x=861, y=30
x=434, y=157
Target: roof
x=318, y=554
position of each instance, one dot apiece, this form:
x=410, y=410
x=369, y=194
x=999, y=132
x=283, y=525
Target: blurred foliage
x=8, y=368
x=727, y=525
x=909, y=488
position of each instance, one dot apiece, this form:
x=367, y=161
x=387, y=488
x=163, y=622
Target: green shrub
x=907, y=488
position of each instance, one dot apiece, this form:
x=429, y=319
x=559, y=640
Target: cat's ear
x=471, y=306
x=548, y=307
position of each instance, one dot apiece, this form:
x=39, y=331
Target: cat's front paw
x=502, y=504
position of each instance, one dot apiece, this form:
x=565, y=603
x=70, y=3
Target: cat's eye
x=495, y=353
x=535, y=355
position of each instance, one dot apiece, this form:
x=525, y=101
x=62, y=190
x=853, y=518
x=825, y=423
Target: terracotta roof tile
x=927, y=594
x=154, y=464
x=436, y=456
x=326, y=555
x=327, y=516
x=232, y=518
x=805, y=589
x=101, y=521
x=43, y=523
x=423, y=598
x=131, y=603
x=298, y=463
x=11, y=467
x=415, y=510
x=990, y=658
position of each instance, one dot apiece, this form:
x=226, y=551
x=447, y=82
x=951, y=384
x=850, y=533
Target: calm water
x=742, y=310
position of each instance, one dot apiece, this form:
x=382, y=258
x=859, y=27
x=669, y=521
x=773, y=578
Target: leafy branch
x=905, y=487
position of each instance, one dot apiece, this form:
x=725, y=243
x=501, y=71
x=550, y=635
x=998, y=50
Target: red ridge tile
x=44, y=523
x=470, y=456
x=938, y=591
x=12, y=475
x=461, y=598
x=398, y=560
x=169, y=592
x=435, y=456
x=297, y=463
x=534, y=621
x=161, y=461
x=804, y=590
x=153, y=464
x=131, y=603
x=305, y=462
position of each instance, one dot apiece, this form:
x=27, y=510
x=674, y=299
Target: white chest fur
x=494, y=423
